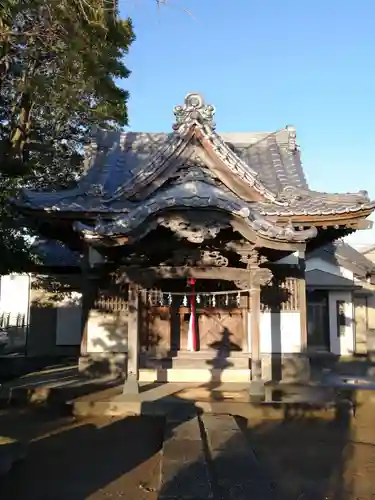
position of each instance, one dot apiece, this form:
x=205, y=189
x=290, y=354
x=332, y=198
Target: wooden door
x=164, y=330
x=155, y=330
x=221, y=330
x=318, y=325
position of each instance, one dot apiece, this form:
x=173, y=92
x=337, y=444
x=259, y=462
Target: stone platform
x=67, y=390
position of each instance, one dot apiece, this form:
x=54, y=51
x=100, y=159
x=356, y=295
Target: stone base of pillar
x=109, y=364
x=131, y=385
x=257, y=391
x=293, y=368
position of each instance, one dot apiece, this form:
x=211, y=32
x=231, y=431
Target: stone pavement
x=207, y=457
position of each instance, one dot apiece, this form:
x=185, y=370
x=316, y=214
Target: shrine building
x=194, y=246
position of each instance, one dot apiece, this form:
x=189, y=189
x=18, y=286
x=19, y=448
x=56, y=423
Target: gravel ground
x=90, y=459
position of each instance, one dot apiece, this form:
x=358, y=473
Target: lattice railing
x=111, y=303
x=281, y=295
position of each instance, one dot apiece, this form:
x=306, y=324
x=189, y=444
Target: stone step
x=203, y=362
x=185, y=471
x=239, y=473
x=210, y=354
x=201, y=375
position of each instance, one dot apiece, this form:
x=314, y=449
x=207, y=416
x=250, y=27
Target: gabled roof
x=344, y=255
x=132, y=176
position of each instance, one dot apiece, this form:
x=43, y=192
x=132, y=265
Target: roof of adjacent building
x=52, y=253
x=344, y=255
x=315, y=278
x=367, y=249
x=132, y=176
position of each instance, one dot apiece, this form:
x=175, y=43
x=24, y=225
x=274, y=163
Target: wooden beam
x=362, y=224
x=152, y=274
x=279, y=245
x=324, y=220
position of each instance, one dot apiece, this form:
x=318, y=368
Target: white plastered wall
x=69, y=320
x=279, y=332
x=107, y=332
x=342, y=345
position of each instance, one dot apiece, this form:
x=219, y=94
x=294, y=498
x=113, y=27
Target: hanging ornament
x=184, y=301
x=198, y=299
x=170, y=299
x=238, y=299
x=161, y=298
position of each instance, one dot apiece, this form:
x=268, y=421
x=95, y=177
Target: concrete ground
x=295, y=455
x=283, y=452
x=87, y=459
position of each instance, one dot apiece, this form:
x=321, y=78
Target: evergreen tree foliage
x=60, y=61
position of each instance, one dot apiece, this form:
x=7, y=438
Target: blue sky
x=265, y=65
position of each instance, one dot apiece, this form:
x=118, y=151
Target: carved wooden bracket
x=260, y=277
x=196, y=257
x=242, y=284
x=194, y=229
x=249, y=254
x=253, y=259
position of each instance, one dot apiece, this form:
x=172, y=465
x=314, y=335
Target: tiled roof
x=198, y=195
x=129, y=170
x=302, y=202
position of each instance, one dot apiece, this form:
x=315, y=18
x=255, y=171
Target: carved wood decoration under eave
x=257, y=277
x=196, y=228
x=198, y=258
x=148, y=276
x=249, y=253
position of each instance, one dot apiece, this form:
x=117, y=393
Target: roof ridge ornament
x=292, y=138
x=194, y=109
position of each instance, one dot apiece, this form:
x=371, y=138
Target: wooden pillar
x=256, y=365
x=244, y=304
x=86, y=301
x=131, y=383
x=302, y=300
x=258, y=277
